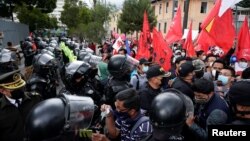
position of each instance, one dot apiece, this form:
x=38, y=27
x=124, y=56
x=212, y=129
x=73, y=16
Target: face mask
x=122, y=115
x=200, y=100
x=183, y=54
x=223, y=79
x=213, y=73
x=17, y=94
x=203, y=57
x=243, y=65
x=145, y=68
x=211, y=64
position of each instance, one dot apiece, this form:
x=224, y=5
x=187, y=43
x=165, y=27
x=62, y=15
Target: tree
x=35, y=18
x=244, y=3
x=131, y=18
x=84, y=22
x=7, y=6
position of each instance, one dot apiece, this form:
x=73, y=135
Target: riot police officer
x=61, y=118
x=119, y=68
x=76, y=77
x=44, y=79
x=168, y=115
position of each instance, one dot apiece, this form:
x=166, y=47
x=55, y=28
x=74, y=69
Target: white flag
x=225, y=4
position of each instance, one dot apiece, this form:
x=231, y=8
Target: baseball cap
x=155, y=71
x=198, y=64
x=144, y=61
x=185, y=69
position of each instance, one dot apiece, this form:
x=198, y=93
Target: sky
x=118, y=3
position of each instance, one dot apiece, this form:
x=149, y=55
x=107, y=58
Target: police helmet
x=44, y=63
x=57, y=116
x=75, y=70
x=118, y=66
x=170, y=110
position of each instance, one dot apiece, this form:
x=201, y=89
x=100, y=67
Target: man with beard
x=14, y=106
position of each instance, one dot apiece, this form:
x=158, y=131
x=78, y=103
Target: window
x=199, y=27
x=203, y=7
x=166, y=7
x=165, y=27
x=175, y=5
x=159, y=27
x=160, y=9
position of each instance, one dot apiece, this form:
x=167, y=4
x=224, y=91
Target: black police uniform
x=13, y=118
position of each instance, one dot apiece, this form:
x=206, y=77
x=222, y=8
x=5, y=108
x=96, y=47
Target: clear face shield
x=79, y=112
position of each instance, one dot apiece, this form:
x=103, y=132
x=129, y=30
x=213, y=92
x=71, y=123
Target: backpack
x=138, y=123
x=138, y=82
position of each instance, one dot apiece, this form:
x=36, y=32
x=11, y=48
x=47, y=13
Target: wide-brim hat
x=12, y=80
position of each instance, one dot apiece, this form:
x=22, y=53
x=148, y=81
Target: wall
x=13, y=32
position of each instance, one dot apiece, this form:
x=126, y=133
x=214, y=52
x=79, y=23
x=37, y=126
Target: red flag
x=212, y=14
x=146, y=29
x=162, y=52
x=220, y=29
x=145, y=39
x=188, y=45
x=142, y=51
x=243, y=36
x=205, y=41
x=175, y=32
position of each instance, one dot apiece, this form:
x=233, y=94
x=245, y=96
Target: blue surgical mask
x=145, y=68
x=223, y=79
x=243, y=65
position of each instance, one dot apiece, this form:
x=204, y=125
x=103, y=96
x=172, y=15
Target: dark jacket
x=216, y=102
x=147, y=95
x=184, y=87
x=12, y=119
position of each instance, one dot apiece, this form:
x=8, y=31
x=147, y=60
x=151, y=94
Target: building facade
x=113, y=23
x=57, y=11
x=166, y=9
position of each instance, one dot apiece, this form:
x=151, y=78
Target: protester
x=126, y=120
x=153, y=87
x=139, y=79
x=239, y=99
x=216, y=66
x=185, y=79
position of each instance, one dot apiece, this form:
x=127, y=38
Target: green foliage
x=131, y=18
x=84, y=22
x=244, y=3
x=35, y=18
x=45, y=6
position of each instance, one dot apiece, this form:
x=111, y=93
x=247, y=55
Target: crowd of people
x=75, y=91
